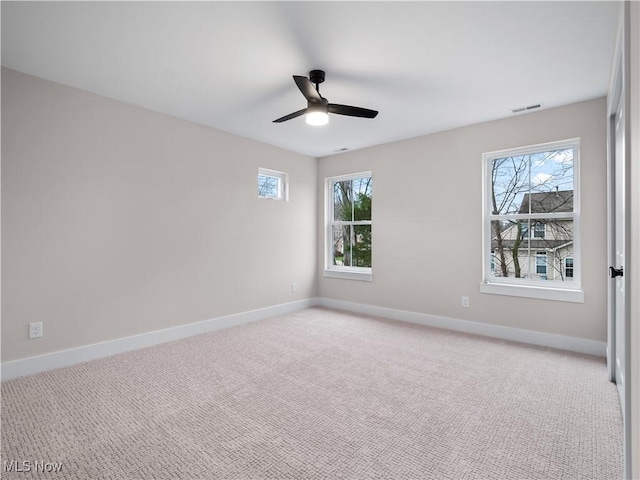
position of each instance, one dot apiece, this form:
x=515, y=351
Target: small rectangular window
x=568, y=267
x=272, y=184
x=541, y=265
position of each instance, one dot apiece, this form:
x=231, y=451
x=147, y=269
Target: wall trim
x=73, y=356
x=562, y=342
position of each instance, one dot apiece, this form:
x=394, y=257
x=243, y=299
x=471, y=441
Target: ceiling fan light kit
x=317, y=115
x=318, y=107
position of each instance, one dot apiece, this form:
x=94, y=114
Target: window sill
x=362, y=274
x=278, y=199
x=528, y=291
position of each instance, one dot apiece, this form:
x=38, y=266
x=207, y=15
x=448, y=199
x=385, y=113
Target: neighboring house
x=536, y=249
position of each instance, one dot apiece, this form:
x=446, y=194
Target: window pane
x=342, y=201
x=500, y=233
x=552, y=181
x=269, y=186
x=516, y=256
x=509, y=183
x=361, y=250
x=533, y=183
x=341, y=240
x=362, y=199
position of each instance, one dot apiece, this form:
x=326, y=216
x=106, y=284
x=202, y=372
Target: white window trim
x=336, y=271
x=530, y=291
x=284, y=183
x=518, y=287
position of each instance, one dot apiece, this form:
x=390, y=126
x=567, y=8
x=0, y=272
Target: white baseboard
x=72, y=356
x=562, y=342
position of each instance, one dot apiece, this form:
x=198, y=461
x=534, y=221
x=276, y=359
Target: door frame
x=619, y=96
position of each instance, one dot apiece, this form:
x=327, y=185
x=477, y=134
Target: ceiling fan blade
x=290, y=116
x=352, y=111
x=307, y=89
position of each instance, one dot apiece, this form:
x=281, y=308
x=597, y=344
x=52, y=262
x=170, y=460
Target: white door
x=617, y=270
x=618, y=338
x=618, y=341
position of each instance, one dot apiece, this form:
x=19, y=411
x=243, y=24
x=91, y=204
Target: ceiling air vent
x=524, y=109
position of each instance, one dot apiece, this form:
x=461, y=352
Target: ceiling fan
x=318, y=107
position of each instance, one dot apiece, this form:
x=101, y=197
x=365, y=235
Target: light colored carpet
x=320, y=394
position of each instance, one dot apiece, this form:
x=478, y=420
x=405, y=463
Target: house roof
x=546, y=202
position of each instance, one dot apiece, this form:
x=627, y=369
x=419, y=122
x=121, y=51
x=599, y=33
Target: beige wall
x=118, y=220
x=427, y=199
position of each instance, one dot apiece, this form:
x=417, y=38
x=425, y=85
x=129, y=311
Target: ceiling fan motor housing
x=316, y=76
x=323, y=102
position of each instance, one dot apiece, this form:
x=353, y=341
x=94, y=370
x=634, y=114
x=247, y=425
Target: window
x=531, y=222
x=348, y=237
x=568, y=267
x=541, y=265
x=272, y=184
x=538, y=229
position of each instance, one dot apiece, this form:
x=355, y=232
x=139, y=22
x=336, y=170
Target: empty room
x=320, y=240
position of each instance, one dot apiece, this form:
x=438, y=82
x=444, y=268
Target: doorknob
x=615, y=272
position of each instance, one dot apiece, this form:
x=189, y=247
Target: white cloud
x=563, y=156
x=541, y=178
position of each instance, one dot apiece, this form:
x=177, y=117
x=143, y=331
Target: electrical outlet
x=465, y=302
x=35, y=330
x=294, y=287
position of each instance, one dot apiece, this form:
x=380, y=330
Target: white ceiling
x=426, y=66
